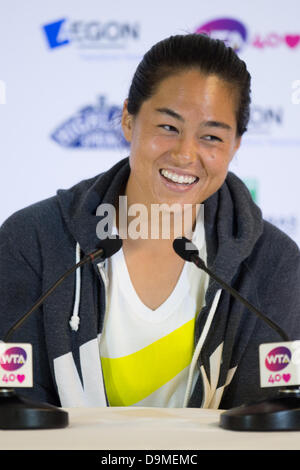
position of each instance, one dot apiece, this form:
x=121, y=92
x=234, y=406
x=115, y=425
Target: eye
x=168, y=128
x=212, y=138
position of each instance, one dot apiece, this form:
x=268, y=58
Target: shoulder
x=275, y=260
x=46, y=215
x=31, y=218
x=277, y=242
x=272, y=240
x=29, y=234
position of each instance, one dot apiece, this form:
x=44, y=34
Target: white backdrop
x=66, y=66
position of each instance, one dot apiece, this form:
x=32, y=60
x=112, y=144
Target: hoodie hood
x=79, y=203
x=233, y=224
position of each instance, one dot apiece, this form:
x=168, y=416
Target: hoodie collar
x=79, y=203
x=233, y=222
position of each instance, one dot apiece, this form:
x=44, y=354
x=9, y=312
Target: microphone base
x=281, y=413
x=17, y=412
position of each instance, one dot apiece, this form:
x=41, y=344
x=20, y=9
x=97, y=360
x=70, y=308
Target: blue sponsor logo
x=91, y=35
x=53, y=32
x=96, y=126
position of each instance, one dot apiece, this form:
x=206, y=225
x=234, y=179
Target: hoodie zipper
x=105, y=280
x=197, y=352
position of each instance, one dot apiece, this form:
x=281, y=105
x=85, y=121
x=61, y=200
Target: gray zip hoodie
x=40, y=242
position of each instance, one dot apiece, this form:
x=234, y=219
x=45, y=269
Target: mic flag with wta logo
x=281, y=413
x=16, y=361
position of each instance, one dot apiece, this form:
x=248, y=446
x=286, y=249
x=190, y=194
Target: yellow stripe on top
x=130, y=379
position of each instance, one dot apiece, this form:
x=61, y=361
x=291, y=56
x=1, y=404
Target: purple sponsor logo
x=13, y=358
x=235, y=34
x=231, y=31
x=278, y=358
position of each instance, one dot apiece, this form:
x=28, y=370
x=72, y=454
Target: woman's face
x=182, y=140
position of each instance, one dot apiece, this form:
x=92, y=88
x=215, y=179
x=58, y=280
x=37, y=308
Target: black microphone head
x=110, y=246
x=185, y=248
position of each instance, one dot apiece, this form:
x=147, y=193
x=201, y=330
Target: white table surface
x=146, y=429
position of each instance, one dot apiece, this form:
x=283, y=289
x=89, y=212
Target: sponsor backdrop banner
x=65, y=70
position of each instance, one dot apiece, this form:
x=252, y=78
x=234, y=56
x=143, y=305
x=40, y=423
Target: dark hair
x=177, y=53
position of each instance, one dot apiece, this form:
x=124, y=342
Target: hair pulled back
x=183, y=52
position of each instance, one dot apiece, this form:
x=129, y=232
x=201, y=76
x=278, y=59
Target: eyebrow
x=219, y=124
x=171, y=113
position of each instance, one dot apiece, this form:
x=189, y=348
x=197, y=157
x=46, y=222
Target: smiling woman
x=184, y=117
x=187, y=129
x=148, y=328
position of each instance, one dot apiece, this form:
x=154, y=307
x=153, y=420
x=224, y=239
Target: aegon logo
x=278, y=358
x=13, y=358
x=91, y=34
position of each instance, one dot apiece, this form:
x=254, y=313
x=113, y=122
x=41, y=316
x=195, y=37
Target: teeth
x=178, y=178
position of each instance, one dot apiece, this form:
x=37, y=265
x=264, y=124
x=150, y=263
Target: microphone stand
x=18, y=412
x=280, y=413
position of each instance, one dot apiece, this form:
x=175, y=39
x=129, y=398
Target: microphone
x=18, y=412
x=109, y=246
x=279, y=413
x=188, y=251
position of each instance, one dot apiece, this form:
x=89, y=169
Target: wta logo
x=235, y=34
x=278, y=358
x=229, y=30
x=13, y=358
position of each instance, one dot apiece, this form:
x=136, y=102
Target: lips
x=179, y=178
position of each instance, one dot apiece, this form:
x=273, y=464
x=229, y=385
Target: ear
x=127, y=120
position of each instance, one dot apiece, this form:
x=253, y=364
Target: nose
x=185, y=151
